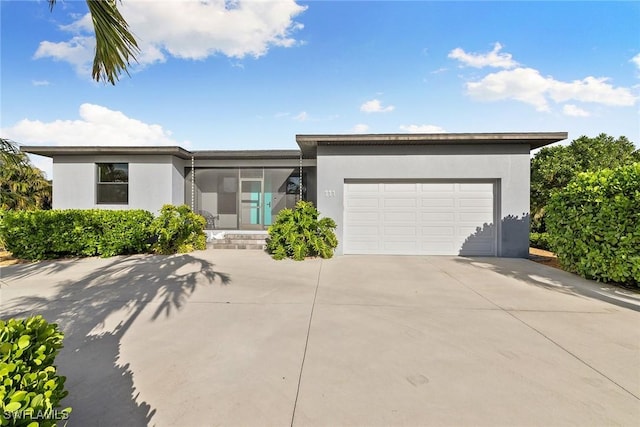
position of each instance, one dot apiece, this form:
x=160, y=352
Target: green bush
x=298, y=233
x=539, y=240
x=594, y=225
x=37, y=235
x=178, y=230
x=30, y=387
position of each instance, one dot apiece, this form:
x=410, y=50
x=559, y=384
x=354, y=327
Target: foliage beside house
x=594, y=225
x=299, y=233
x=552, y=168
x=37, y=235
x=22, y=185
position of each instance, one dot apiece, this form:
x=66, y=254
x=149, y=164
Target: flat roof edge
x=49, y=151
x=533, y=139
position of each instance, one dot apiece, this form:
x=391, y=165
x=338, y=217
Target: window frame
x=100, y=183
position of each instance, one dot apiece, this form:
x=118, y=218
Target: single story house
x=432, y=194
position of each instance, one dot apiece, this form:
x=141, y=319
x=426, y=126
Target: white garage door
x=419, y=218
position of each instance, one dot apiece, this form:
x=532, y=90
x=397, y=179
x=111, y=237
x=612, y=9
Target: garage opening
x=420, y=217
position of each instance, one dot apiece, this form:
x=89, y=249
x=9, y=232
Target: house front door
x=251, y=204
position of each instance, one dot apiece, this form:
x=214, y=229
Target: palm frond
x=115, y=45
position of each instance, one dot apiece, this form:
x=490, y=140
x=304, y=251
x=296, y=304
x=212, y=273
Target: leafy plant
x=37, y=235
x=22, y=185
x=30, y=387
x=178, y=230
x=298, y=233
x=594, y=225
x=539, y=240
x=553, y=168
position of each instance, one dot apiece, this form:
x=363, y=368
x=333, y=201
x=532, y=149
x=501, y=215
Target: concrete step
x=249, y=246
x=236, y=240
x=256, y=236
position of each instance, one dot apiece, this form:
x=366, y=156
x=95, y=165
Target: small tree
x=22, y=185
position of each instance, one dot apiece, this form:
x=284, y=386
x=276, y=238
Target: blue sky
x=252, y=75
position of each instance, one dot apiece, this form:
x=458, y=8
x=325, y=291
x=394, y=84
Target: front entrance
x=241, y=198
x=251, y=204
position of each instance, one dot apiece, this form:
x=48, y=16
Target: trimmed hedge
x=594, y=225
x=37, y=235
x=30, y=387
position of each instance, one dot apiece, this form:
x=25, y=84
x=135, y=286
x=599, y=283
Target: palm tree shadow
x=96, y=312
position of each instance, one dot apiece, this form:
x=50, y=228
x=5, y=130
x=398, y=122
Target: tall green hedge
x=36, y=235
x=594, y=225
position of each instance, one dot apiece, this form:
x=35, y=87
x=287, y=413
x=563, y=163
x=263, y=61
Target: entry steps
x=222, y=239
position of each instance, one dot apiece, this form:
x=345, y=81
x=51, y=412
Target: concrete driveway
x=233, y=338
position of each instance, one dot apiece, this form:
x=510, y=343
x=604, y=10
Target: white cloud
x=375, y=106
x=303, y=116
x=422, y=129
x=40, y=82
x=636, y=60
x=479, y=60
x=574, y=111
x=190, y=30
x=529, y=86
x=97, y=126
x=78, y=52
x=360, y=128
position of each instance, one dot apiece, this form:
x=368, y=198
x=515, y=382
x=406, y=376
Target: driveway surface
x=233, y=338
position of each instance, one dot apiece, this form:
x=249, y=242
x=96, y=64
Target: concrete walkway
x=233, y=338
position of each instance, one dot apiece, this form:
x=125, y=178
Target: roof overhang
x=52, y=151
x=309, y=143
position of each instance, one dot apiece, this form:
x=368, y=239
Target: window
x=113, y=183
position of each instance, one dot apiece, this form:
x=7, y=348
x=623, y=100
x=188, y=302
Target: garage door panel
x=475, y=203
x=362, y=216
x=399, y=231
x=361, y=202
x=395, y=188
x=437, y=187
x=364, y=188
x=395, y=216
x=474, y=216
x=431, y=231
x=420, y=218
x=476, y=187
x=437, y=203
x=399, y=203
x=436, y=216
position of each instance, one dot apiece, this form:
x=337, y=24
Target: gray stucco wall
x=508, y=165
x=154, y=180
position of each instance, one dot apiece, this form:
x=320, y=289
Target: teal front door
x=251, y=204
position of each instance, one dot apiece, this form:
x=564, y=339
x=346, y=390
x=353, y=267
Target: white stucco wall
x=154, y=180
x=506, y=164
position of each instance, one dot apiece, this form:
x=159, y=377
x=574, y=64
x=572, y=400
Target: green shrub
x=178, y=230
x=30, y=387
x=124, y=232
x=37, y=235
x=298, y=233
x=539, y=240
x=594, y=225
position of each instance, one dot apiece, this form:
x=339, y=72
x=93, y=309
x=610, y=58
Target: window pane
x=113, y=172
x=113, y=193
